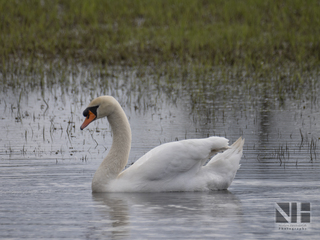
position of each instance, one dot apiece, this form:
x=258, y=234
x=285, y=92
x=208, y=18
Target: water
x=47, y=163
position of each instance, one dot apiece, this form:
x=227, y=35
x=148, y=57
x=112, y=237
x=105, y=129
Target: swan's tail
x=224, y=166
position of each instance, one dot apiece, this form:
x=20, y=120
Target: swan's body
x=175, y=166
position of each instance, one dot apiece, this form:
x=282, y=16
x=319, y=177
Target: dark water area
x=47, y=163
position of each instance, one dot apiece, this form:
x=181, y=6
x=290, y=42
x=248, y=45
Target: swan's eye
x=86, y=113
x=91, y=109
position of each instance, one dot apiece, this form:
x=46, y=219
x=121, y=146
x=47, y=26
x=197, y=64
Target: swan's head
x=98, y=108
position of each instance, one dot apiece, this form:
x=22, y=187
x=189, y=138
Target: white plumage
x=174, y=166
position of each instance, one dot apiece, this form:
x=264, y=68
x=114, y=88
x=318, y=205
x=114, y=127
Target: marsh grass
x=192, y=34
x=225, y=52
x=211, y=104
x=257, y=47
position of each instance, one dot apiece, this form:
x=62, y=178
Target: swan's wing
x=169, y=160
x=228, y=161
x=223, y=167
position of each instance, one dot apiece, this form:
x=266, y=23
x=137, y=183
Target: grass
x=254, y=35
x=253, y=49
x=230, y=53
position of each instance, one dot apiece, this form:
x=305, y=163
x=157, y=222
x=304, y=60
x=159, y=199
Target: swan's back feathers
x=224, y=166
x=178, y=166
x=170, y=160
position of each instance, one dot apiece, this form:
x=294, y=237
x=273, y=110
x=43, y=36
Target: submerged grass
x=254, y=35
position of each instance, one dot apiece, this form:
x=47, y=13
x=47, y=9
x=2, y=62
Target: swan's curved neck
x=118, y=155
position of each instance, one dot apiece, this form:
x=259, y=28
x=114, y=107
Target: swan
x=174, y=166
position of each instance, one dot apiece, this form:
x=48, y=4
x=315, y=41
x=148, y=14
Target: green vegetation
x=248, y=34
x=244, y=56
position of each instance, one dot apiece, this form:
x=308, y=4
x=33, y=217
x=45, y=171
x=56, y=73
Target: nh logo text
x=293, y=212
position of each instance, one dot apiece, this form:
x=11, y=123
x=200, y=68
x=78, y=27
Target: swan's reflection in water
x=134, y=215
x=114, y=210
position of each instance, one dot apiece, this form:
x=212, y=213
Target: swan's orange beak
x=90, y=117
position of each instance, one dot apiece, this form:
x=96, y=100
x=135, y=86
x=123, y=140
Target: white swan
x=174, y=166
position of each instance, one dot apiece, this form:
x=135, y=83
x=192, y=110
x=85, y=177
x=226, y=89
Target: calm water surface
x=47, y=163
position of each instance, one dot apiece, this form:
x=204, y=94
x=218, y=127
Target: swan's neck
x=118, y=155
